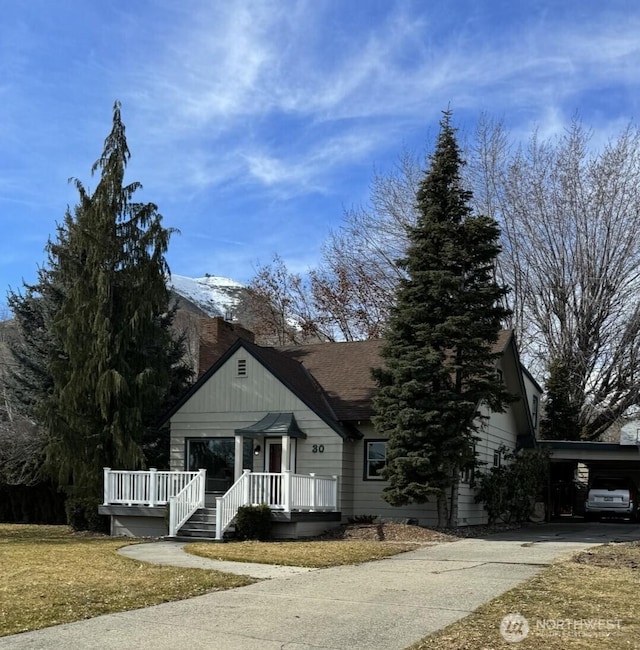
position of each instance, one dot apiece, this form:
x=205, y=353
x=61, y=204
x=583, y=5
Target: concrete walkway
x=173, y=554
x=386, y=605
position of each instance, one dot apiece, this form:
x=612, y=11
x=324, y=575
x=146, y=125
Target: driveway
x=387, y=604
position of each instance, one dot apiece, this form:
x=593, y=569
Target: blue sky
x=253, y=125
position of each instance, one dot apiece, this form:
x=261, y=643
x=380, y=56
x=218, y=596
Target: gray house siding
x=367, y=494
x=498, y=432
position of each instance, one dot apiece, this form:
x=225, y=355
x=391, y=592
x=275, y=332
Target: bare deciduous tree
x=276, y=306
x=355, y=285
x=570, y=215
x=21, y=442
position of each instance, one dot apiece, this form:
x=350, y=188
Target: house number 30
x=318, y=449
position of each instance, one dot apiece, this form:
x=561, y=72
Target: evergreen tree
x=562, y=407
x=29, y=380
x=438, y=359
x=116, y=363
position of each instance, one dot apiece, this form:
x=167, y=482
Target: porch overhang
x=273, y=424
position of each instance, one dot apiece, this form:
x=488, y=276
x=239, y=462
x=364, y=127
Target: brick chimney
x=216, y=335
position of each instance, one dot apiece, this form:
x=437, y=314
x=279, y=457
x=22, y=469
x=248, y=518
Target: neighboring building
x=306, y=410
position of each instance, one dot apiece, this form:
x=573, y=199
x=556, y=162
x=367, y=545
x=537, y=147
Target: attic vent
x=242, y=367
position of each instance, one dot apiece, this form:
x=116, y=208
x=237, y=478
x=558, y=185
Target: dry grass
x=597, y=587
x=317, y=553
x=389, y=532
x=52, y=576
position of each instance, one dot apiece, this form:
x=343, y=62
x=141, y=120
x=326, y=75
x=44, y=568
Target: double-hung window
x=375, y=458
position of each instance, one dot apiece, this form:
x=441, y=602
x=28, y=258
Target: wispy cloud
x=230, y=66
x=242, y=116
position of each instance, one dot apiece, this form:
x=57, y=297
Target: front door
x=275, y=457
x=273, y=462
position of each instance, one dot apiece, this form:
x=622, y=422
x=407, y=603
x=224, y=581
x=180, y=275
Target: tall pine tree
x=116, y=363
x=438, y=359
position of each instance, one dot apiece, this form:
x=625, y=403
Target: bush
x=253, y=522
x=509, y=492
x=82, y=514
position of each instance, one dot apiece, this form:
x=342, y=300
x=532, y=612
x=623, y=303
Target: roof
x=282, y=424
x=333, y=379
x=590, y=445
x=343, y=370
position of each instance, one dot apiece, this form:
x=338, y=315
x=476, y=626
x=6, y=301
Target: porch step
x=203, y=515
x=201, y=526
x=192, y=538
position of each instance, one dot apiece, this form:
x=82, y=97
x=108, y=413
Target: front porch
x=149, y=498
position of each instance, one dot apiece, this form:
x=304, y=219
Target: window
x=467, y=475
x=497, y=458
x=217, y=456
x=375, y=458
x=242, y=367
x=499, y=376
x=534, y=412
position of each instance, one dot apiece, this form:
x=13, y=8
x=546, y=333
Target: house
x=291, y=427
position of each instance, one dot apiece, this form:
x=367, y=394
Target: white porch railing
x=280, y=491
x=315, y=492
x=184, y=492
x=143, y=488
x=227, y=506
x=186, y=502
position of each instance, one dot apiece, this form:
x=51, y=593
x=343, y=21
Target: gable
x=519, y=409
x=255, y=390
x=258, y=387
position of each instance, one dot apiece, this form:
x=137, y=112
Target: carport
x=573, y=463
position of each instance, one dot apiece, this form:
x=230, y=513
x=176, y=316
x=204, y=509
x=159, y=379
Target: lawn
x=590, y=601
x=51, y=575
x=317, y=553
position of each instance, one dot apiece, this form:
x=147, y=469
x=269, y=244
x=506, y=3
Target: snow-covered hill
x=216, y=296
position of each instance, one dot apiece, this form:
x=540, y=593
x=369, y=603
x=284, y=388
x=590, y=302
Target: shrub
x=82, y=514
x=253, y=522
x=508, y=492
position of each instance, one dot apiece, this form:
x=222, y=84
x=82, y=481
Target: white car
x=611, y=496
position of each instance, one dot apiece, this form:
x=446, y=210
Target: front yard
x=317, y=554
x=347, y=544
x=51, y=575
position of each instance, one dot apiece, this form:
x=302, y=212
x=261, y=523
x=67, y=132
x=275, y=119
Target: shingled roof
x=343, y=370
